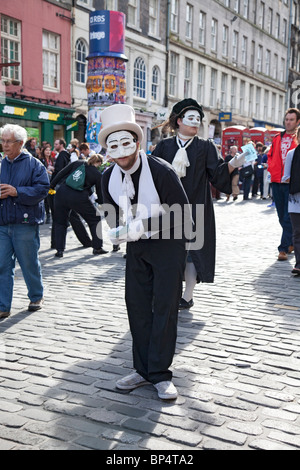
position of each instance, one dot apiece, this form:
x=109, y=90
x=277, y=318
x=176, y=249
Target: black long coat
x=206, y=166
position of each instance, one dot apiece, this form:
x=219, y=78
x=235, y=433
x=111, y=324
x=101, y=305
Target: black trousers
x=68, y=200
x=75, y=221
x=153, y=288
x=295, y=218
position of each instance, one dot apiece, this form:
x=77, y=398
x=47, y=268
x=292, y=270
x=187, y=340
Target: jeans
x=281, y=198
x=19, y=242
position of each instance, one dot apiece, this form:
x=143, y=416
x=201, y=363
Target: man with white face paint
x=140, y=190
x=197, y=163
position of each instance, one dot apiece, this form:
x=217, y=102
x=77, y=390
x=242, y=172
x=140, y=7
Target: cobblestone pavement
x=237, y=364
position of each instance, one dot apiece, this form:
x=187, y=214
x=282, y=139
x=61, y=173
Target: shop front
x=44, y=122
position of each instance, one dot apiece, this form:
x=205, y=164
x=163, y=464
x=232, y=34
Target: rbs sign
x=107, y=33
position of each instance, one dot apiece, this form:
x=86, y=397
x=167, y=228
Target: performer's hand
x=238, y=160
x=127, y=233
x=135, y=230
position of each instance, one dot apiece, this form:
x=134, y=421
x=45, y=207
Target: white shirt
x=294, y=199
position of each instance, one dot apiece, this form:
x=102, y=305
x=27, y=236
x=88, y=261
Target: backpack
x=76, y=179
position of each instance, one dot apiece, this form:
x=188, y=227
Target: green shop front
x=44, y=122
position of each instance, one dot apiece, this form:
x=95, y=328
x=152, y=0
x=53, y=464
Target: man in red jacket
x=282, y=143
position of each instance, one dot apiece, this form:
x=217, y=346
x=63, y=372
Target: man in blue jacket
x=24, y=184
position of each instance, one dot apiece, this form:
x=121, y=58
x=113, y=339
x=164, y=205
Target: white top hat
x=118, y=117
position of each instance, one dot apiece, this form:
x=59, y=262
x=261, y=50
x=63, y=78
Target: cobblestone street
x=237, y=364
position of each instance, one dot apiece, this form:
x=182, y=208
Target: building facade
x=236, y=57
x=35, y=43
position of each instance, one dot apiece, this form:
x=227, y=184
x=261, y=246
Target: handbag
x=76, y=179
x=246, y=171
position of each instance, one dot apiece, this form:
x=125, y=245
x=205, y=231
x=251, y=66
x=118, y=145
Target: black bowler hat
x=186, y=104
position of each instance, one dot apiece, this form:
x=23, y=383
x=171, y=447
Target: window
x=261, y=18
x=252, y=59
x=155, y=84
x=213, y=88
x=245, y=7
x=133, y=12
x=225, y=41
x=258, y=102
x=174, y=16
x=202, y=23
x=280, y=109
x=268, y=62
x=266, y=105
x=51, y=58
x=200, y=84
x=284, y=31
x=251, y=95
x=189, y=21
x=236, y=6
x=282, y=70
x=242, y=97
x=277, y=26
x=80, y=60
x=244, y=50
x=214, y=29
x=173, y=73
x=275, y=67
x=233, y=94
x=139, y=78
x=108, y=4
x=235, y=40
x=187, y=77
x=10, y=47
x=223, y=90
x=270, y=21
x=153, y=17
x=259, y=59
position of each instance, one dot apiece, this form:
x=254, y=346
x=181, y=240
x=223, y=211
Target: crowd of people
x=65, y=184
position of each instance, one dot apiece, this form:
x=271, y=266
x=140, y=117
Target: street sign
x=224, y=117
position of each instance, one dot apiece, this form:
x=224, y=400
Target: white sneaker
x=131, y=381
x=166, y=390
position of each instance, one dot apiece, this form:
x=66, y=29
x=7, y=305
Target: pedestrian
x=235, y=189
x=62, y=160
x=197, y=163
x=85, y=151
x=47, y=162
x=24, y=186
x=282, y=143
x=291, y=176
x=258, y=182
x=74, y=152
x=141, y=190
x=68, y=199
x=30, y=145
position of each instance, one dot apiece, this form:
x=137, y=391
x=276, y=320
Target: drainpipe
x=287, y=94
x=167, y=52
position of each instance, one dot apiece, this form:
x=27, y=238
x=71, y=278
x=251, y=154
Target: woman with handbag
x=76, y=197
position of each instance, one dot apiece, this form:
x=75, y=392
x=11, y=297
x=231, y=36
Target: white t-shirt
x=294, y=199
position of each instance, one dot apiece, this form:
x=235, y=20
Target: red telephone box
x=275, y=131
x=258, y=134
x=232, y=136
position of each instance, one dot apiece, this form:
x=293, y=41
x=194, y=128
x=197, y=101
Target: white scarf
x=181, y=161
x=148, y=202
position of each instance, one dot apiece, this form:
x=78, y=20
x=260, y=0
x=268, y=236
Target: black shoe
x=116, y=248
x=184, y=305
x=59, y=254
x=99, y=252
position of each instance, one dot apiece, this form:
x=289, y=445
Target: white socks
x=190, y=275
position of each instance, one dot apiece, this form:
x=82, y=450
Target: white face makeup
x=120, y=144
x=191, y=118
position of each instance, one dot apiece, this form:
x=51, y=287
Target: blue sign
x=225, y=117
x=107, y=34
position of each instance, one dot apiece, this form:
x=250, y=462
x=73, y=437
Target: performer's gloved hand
x=238, y=160
x=127, y=233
